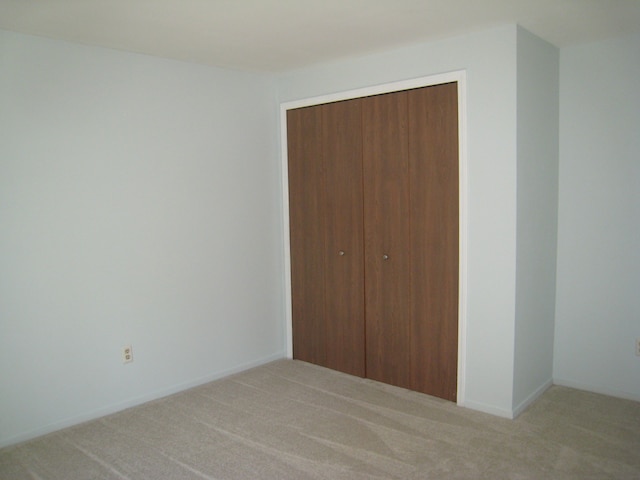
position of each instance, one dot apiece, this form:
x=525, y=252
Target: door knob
x=385, y=257
x=341, y=252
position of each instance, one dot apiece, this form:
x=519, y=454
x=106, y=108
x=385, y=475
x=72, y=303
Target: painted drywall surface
x=598, y=305
x=139, y=204
x=537, y=194
x=489, y=59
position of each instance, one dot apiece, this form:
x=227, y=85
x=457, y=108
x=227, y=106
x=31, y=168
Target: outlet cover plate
x=127, y=354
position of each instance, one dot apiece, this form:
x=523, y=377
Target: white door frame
x=457, y=76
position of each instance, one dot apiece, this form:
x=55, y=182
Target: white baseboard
x=506, y=413
x=611, y=392
x=532, y=398
x=490, y=409
x=101, y=412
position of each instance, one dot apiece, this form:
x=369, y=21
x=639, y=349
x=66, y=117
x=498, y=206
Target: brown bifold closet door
x=387, y=234
x=326, y=217
x=373, y=194
x=306, y=219
x=434, y=243
x=411, y=238
x=344, y=262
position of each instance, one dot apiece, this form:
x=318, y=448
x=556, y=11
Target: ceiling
x=278, y=35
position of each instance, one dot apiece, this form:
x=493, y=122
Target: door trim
x=456, y=76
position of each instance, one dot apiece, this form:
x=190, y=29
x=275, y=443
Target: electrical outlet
x=638, y=346
x=127, y=354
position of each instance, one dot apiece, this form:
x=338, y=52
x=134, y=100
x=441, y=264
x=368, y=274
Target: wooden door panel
x=433, y=166
x=373, y=177
x=306, y=219
x=386, y=220
x=344, y=263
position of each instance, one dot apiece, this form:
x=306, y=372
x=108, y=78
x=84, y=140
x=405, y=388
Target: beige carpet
x=291, y=420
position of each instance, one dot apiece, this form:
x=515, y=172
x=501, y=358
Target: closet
x=373, y=210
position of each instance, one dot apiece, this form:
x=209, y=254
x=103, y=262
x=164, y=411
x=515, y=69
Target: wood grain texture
x=386, y=220
x=375, y=177
x=306, y=219
x=344, y=274
x=434, y=245
x=325, y=177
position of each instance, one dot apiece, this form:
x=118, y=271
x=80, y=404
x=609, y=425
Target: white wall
x=598, y=276
x=489, y=59
x=537, y=196
x=139, y=203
